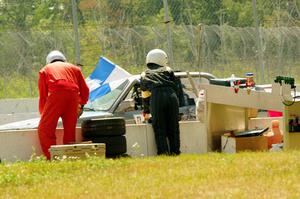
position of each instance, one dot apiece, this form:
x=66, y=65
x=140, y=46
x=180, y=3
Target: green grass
x=213, y=175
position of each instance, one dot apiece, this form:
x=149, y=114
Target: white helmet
x=157, y=56
x=55, y=55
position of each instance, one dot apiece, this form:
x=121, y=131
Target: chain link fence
x=217, y=37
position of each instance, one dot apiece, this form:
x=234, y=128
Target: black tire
x=94, y=128
x=115, y=145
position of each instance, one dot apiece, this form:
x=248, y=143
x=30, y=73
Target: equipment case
x=77, y=151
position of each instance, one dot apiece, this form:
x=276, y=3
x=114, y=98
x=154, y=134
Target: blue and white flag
x=106, y=77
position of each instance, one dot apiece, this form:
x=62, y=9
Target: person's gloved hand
x=79, y=110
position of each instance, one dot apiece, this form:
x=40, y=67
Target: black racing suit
x=164, y=108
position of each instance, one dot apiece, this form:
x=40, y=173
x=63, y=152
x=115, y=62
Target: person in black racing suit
x=158, y=85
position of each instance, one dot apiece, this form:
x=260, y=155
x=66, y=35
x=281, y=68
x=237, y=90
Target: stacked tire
x=110, y=131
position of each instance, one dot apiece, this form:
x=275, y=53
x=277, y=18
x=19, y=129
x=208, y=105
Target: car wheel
x=114, y=145
x=94, y=128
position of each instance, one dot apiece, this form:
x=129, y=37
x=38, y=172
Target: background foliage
x=212, y=36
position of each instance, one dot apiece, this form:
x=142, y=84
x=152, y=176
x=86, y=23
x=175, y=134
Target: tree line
x=124, y=30
x=23, y=15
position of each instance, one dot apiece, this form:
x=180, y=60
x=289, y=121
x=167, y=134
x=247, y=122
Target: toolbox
x=76, y=151
x=238, y=144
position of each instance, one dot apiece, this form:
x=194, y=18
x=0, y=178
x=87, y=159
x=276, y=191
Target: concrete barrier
x=22, y=144
x=12, y=110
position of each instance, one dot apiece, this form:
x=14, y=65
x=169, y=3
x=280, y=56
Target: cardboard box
x=77, y=151
x=237, y=144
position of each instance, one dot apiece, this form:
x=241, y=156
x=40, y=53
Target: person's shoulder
x=143, y=74
x=71, y=65
x=43, y=69
x=169, y=69
x=146, y=73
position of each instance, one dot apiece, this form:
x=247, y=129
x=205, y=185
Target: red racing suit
x=62, y=88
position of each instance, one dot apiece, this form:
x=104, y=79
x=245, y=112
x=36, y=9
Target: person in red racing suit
x=62, y=93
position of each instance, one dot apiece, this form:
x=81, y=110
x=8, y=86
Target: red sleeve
x=43, y=90
x=83, y=89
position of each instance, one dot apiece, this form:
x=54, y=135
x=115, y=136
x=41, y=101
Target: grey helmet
x=55, y=55
x=157, y=56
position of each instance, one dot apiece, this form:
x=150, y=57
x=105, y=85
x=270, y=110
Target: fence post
x=259, y=43
x=75, y=26
x=169, y=36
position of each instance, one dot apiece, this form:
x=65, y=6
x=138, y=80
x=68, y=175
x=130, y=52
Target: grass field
x=213, y=175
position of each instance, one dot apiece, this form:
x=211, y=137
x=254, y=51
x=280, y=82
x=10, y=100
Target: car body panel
x=124, y=96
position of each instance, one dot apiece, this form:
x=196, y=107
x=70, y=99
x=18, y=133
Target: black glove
x=79, y=110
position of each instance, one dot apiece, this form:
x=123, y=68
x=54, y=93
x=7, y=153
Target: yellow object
x=146, y=94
